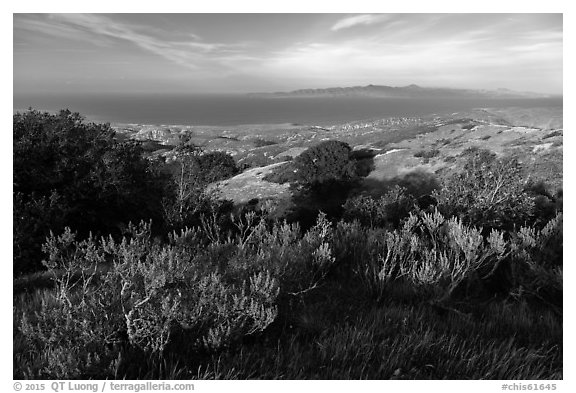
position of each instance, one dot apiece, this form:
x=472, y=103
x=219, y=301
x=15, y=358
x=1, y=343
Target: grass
x=408, y=342
x=339, y=332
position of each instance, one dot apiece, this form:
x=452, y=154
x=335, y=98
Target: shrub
x=537, y=266
x=186, y=198
x=547, y=203
x=329, y=161
x=184, y=297
x=152, y=295
x=436, y=256
x=427, y=154
x=299, y=262
x=326, y=163
x=488, y=193
x=99, y=182
x=33, y=216
x=216, y=166
x=389, y=209
x=321, y=178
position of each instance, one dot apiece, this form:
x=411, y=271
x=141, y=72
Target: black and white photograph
x=287, y=196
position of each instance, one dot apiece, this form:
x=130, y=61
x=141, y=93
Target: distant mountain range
x=411, y=91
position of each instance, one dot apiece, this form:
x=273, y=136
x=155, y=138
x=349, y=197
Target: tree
x=216, y=166
x=186, y=188
x=71, y=173
x=192, y=171
x=326, y=163
x=322, y=177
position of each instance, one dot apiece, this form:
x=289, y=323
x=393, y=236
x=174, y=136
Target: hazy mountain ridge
x=411, y=91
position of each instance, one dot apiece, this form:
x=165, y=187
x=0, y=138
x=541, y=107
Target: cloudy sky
x=231, y=53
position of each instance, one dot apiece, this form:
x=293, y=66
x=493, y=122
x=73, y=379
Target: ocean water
x=228, y=110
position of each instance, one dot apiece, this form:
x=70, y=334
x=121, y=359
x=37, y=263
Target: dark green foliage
x=33, y=218
x=200, y=167
x=138, y=294
x=326, y=165
x=321, y=177
x=80, y=175
x=215, y=166
x=55, y=151
x=191, y=295
x=327, y=162
x=388, y=210
x=537, y=268
x=488, y=193
x=186, y=200
x=547, y=202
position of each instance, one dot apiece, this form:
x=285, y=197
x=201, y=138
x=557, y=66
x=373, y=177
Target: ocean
x=226, y=110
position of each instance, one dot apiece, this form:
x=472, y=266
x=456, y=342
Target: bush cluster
x=67, y=172
x=489, y=193
x=71, y=173
x=389, y=210
x=427, y=154
x=185, y=296
x=438, y=258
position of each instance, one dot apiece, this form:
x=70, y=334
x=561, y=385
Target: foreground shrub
x=300, y=262
x=148, y=296
x=435, y=255
x=537, y=270
x=441, y=258
x=186, y=297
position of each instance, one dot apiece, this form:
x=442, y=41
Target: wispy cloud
x=365, y=48
x=466, y=58
x=101, y=30
x=365, y=19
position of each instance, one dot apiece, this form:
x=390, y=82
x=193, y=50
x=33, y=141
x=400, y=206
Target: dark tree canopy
x=68, y=172
x=217, y=166
x=327, y=162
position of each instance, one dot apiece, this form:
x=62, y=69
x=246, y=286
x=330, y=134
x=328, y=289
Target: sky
x=239, y=53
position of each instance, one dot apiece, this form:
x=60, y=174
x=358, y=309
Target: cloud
x=457, y=61
x=365, y=19
x=103, y=31
x=403, y=49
